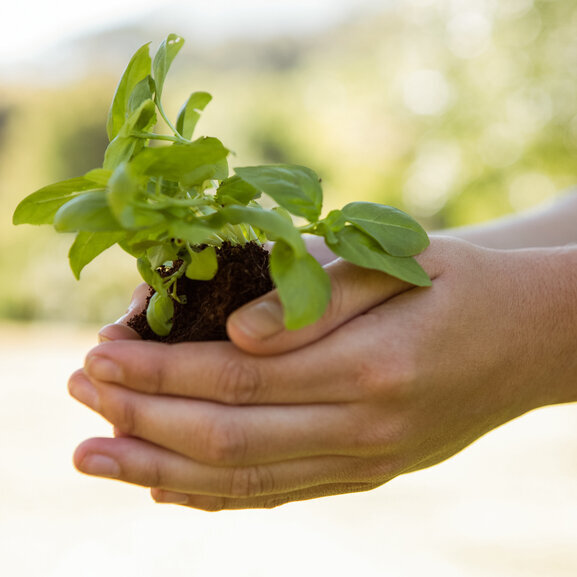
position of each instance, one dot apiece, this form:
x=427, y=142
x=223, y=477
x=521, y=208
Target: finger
x=138, y=462
x=258, y=328
x=215, y=504
x=120, y=329
x=218, y=371
x=222, y=435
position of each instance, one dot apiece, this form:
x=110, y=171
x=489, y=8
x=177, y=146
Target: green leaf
x=161, y=253
x=203, y=265
x=191, y=232
x=142, y=92
x=190, y=113
x=41, y=206
x=198, y=176
x=99, y=176
x=138, y=242
x=275, y=226
x=303, y=285
x=293, y=187
x=166, y=53
x=89, y=212
x=149, y=274
x=355, y=246
x=394, y=230
x=159, y=313
x=138, y=68
x=235, y=190
x=177, y=161
x=88, y=245
x=125, y=146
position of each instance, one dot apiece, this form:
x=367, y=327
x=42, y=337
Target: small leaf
x=190, y=113
x=89, y=212
x=159, y=313
x=88, y=245
x=138, y=68
x=394, y=230
x=303, y=285
x=293, y=187
x=360, y=249
x=161, y=253
x=149, y=274
x=166, y=53
x=203, y=265
x=235, y=190
x=41, y=206
x=125, y=146
x=274, y=225
x=142, y=92
x=99, y=176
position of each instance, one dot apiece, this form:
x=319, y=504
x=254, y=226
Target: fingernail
x=170, y=497
x=102, y=369
x=100, y=465
x=85, y=392
x=260, y=320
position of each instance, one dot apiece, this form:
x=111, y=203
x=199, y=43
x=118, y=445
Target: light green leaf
x=235, y=190
x=161, y=253
x=303, y=285
x=166, y=53
x=99, y=176
x=190, y=113
x=138, y=68
x=191, y=232
x=88, y=245
x=142, y=92
x=394, y=230
x=203, y=265
x=360, y=249
x=293, y=187
x=159, y=313
x=125, y=146
x=275, y=226
x=41, y=206
x=176, y=162
x=88, y=212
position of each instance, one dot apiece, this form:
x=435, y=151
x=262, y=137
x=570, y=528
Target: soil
x=243, y=275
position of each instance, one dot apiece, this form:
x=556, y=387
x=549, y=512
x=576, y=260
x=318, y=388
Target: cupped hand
x=392, y=379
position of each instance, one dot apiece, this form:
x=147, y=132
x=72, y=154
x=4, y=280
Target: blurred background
x=456, y=111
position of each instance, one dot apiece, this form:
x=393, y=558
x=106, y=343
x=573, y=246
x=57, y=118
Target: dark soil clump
x=243, y=275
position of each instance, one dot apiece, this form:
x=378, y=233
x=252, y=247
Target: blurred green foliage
x=457, y=112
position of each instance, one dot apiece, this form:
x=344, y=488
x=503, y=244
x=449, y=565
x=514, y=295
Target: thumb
x=120, y=330
x=258, y=328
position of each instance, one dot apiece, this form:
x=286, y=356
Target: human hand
x=393, y=379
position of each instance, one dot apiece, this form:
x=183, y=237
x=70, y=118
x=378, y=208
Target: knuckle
x=247, y=482
x=240, y=382
x=225, y=443
x=152, y=476
x=126, y=418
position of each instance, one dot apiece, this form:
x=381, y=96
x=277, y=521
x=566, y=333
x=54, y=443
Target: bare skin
x=393, y=379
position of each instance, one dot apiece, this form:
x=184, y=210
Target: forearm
x=554, y=224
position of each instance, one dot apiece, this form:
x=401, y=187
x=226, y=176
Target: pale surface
x=506, y=507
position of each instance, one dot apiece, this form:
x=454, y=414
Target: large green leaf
x=357, y=247
x=303, y=285
x=177, y=161
x=41, y=206
x=88, y=245
x=396, y=232
x=163, y=58
x=137, y=70
x=190, y=113
x=88, y=212
x=293, y=187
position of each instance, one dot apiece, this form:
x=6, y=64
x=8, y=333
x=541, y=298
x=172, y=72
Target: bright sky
x=30, y=28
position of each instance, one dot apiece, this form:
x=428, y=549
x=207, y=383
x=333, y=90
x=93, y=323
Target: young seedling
x=171, y=202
